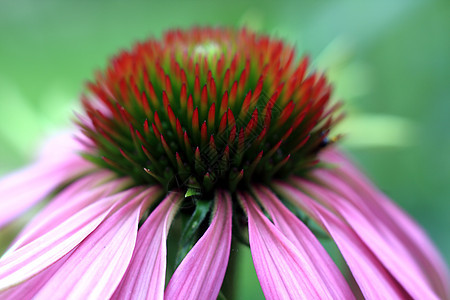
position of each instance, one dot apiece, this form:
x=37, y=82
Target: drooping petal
x=34, y=257
x=405, y=229
x=145, y=276
x=422, y=248
x=86, y=183
x=323, y=271
x=200, y=274
x=60, y=145
x=97, y=265
x=380, y=241
x=29, y=288
x=62, y=208
x=282, y=271
x=21, y=190
x=373, y=279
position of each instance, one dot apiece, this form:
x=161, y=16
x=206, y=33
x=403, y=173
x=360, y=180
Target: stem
x=229, y=283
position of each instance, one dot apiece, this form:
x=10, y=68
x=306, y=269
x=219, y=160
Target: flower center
x=207, y=108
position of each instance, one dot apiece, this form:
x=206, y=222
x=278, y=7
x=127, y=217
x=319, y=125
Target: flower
x=223, y=131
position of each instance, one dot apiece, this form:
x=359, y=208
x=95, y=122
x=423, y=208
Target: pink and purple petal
x=97, y=265
x=373, y=279
x=29, y=288
x=145, y=276
x=281, y=269
x=324, y=271
x=380, y=241
x=73, y=199
x=406, y=232
x=41, y=253
x=200, y=274
x=23, y=189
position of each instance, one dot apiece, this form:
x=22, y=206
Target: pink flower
x=260, y=168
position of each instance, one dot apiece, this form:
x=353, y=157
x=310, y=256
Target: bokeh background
x=388, y=60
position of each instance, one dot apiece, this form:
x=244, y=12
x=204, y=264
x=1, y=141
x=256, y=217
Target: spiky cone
x=226, y=132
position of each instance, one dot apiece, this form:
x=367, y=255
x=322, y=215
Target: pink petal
x=387, y=249
x=406, y=230
x=200, y=274
x=81, y=185
x=44, y=251
x=21, y=190
x=97, y=265
x=373, y=279
x=325, y=275
x=421, y=247
x=29, y=288
x=62, y=207
x=59, y=146
x=145, y=277
x=282, y=271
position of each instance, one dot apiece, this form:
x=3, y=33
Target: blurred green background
x=389, y=61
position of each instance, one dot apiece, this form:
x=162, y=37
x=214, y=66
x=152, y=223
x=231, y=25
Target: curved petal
x=29, y=288
x=327, y=277
x=21, y=190
x=62, y=208
x=97, y=265
x=200, y=274
x=145, y=276
x=59, y=145
x=86, y=183
x=34, y=257
x=282, y=271
x=387, y=249
x=372, y=278
x=405, y=229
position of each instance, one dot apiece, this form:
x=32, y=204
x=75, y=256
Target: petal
x=394, y=256
x=62, y=208
x=421, y=247
x=44, y=251
x=326, y=275
x=21, y=190
x=200, y=274
x=282, y=271
x=61, y=144
x=373, y=279
x=69, y=194
x=29, y=288
x=97, y=265
x=145, y=276
x=405, y=229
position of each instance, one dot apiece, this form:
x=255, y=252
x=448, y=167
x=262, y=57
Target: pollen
x=207, y=108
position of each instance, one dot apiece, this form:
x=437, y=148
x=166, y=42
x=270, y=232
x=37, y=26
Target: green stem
x=228, y=289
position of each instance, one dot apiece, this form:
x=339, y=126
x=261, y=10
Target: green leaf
x=221, y=296
x=192, y=192
x=189, y=234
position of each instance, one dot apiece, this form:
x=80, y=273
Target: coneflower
x=226, y=131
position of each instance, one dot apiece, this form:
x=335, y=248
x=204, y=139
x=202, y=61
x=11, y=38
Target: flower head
x=207, y=108
x=226, y=131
